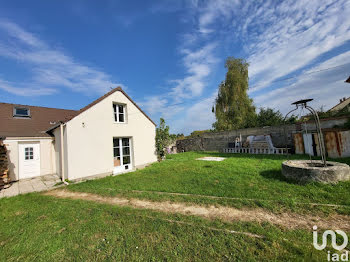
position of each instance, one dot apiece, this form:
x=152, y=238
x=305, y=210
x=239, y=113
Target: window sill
x=22, y=117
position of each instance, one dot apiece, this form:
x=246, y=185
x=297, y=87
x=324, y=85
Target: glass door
x=121, y=154
x=116, y=152
x=126, y=152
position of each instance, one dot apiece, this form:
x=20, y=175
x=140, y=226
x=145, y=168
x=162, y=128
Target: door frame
x=22, y=158
x=122, y=167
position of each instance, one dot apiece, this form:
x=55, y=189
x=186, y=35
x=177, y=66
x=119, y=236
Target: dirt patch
x=229, y=214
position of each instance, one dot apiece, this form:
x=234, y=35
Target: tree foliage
x=198, y=133
x=233, y=108
x=344, y=112
x=179, y=136
x=326, y=114
x=269, y=117
x=163, y=139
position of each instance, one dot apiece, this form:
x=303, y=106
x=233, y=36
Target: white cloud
x=23, y=91
x=280, y=39
x=18, y=33
x=297, y=34
x=154, y=104
x=196, y=117
x=213, y=11
x=51, y=69
x=325, y=87
x=198, y=65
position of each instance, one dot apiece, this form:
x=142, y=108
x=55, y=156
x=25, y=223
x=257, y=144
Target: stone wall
x=216, y=141
x=281, y=136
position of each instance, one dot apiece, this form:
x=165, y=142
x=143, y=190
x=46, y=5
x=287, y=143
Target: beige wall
x=47, y=155
x=90, y=138
x=57, y=151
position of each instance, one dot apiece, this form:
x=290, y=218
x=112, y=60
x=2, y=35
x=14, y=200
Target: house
x=110, y=135
x=343, y=102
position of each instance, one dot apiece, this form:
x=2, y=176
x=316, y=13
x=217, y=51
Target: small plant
x=163, y=139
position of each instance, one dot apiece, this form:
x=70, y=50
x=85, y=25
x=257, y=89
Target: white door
x=29, y=160
x=122, y=154
x=308, y=144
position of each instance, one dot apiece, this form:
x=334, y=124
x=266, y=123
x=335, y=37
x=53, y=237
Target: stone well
x=305, y=171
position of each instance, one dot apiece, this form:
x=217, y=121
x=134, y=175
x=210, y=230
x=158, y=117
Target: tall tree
x=233, y=108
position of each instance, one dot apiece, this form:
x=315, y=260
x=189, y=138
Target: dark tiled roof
x=41, y=119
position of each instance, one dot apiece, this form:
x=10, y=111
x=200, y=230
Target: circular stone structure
x=305, y=171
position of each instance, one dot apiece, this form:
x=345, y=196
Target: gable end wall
x=90, y=137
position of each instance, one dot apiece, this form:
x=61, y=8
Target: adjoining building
x=110, y=135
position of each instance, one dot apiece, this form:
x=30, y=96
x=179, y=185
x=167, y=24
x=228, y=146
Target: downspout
x=62, y=155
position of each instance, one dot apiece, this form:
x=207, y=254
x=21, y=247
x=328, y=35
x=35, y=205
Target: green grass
x=36, y=227
x=241, y=176
x=42, y=228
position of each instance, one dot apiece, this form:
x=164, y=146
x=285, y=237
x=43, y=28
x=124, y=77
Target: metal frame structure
x=303, y=104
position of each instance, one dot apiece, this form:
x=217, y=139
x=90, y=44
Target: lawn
x=37, y=227
x=256, y=180
x=41, y=228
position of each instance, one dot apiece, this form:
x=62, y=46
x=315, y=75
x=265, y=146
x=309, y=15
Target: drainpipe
x=62, y=155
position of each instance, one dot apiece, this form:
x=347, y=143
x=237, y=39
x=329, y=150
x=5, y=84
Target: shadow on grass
x=274, y=174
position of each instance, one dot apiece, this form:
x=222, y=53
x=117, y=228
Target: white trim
x=121, y=168
x=19, y=139
x=31, y=165
x=62, y=154
x=116, y=113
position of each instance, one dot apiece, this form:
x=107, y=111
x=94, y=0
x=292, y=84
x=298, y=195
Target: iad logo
x=334, y=239
x=335, y=256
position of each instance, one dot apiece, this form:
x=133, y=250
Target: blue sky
x=169, y=55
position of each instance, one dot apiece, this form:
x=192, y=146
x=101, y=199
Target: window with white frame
x=21, y=112
x=28, y=153
x=119, y=113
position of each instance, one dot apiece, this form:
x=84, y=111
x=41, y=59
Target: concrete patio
x=35, y=184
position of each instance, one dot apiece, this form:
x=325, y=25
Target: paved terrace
x=35, y=184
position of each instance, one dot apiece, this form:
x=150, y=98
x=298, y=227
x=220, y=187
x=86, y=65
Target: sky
x=169, y=55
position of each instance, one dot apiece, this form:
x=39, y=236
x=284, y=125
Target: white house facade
x=110, y=135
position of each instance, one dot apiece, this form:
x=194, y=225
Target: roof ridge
x=346, y=99
x=106, y=95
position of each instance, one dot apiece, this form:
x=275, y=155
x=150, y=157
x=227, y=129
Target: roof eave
x=49, y=131
x=107, y=95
